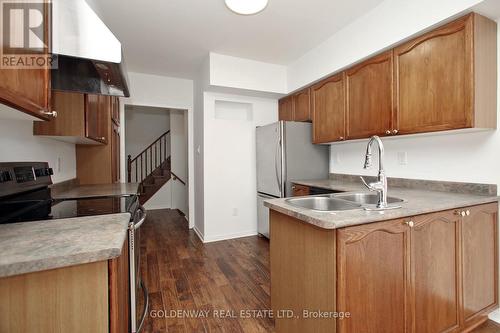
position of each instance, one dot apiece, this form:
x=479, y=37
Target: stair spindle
x=129, y=168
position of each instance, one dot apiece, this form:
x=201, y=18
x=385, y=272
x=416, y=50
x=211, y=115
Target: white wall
x=389, y=23
x=454, y=156
x=161, y=199
x=179, y=153
x=230, y=207
x=143, y=125
x=17, y=144
x=239, y=73
x=164, y=92
x=200, y=84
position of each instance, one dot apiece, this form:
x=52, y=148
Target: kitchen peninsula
x=428, y=266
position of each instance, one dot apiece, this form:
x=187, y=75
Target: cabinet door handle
x=52, y=114
x=341, y=138
x=467, y=212
x=388, y=132
x=461, y=213
x=411, y=224
x=395, y=131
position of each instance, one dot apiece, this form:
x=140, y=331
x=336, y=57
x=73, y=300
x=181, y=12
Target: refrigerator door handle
x=276, y=155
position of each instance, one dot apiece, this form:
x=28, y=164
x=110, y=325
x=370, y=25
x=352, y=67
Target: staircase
x=151, y=168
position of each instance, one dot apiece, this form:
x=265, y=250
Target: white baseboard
x=198, y=233
x=216, y=238
x=495, y=316
x=156, y=207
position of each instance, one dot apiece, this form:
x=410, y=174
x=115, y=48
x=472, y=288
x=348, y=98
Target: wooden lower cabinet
x=119, y=293
x=435, y=277
x=91, y=297
x=431, y=273
x=479, y=261
x=302, y=274
x=373, y=272
x=300, y=190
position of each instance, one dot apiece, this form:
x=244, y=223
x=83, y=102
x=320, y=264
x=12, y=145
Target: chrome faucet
x=380, y=186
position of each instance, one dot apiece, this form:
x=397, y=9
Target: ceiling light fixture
x=246, y=7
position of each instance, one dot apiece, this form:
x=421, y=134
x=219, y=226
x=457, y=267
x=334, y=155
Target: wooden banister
x=151, y=145
x=177, y=177
x=152, y=157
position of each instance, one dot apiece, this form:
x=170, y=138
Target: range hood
x=89, y=58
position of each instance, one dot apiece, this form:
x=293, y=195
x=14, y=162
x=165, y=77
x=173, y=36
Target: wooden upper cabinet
x=115, y=110
x=435, y=272
x=328, y=109
x=82, y=119
x=28, y=90
x=115, y=153
x=302, y=105
x=369, y=95
x=480, y=261
x=286, y=109
x=69, y=121
x=446, y=79
x=92, y=105
x=97, y=112
x=377, y=253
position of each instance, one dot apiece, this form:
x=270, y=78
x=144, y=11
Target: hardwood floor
x=488, y=327
x=182, y=273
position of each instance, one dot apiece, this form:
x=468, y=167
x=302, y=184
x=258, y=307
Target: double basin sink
x=342, y=202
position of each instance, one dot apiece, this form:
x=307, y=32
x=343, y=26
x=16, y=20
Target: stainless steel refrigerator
x=285, y=153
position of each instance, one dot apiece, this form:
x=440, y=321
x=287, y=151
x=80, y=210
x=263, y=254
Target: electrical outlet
x=403, y=158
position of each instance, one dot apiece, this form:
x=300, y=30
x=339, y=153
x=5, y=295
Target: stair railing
x=175, y=177
x=154, y=155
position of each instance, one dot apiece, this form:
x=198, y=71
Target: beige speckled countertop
x=417, y=201
x=36, y=246
x=99, y=190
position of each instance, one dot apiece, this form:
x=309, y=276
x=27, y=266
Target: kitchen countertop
x=41, y=245
x=417, y=201
x=99, y=190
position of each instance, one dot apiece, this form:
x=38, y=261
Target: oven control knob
x=5, y=176
x=44, y=172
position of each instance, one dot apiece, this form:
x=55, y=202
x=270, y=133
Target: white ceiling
x=173, y=37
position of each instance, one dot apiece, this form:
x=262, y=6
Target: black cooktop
x=92, y=206
x=25, y=196
x=39, y=205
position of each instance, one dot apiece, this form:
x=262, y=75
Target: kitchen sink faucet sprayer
x=380, y=186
